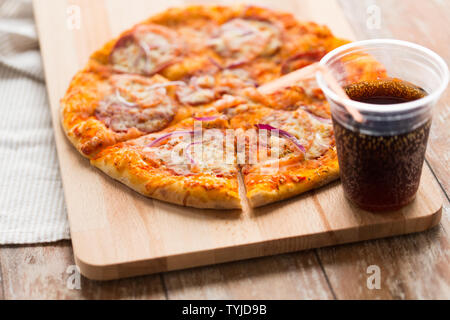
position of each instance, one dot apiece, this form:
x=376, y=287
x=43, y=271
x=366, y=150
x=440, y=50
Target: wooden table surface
x=411, y=267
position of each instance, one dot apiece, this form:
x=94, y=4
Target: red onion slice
x=247, y=33
x=237, y=63
x=145, y=48
x=321, y=119
x=167, y=135
x=124, y=101
x=324, y=120
x=215, y=62
x=320, y=144
x=286, y=134
x=186, y=151
x=211, y=118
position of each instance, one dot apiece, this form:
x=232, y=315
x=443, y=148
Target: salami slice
x=136, y=102
x=146, y=49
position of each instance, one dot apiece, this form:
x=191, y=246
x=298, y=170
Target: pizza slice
x=189, y=164
x=286, y=152
x=146, y=49
x=99, y=111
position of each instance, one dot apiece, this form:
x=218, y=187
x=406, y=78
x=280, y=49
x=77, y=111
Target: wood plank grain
x=288, y=276
x=41, y=272
x=2, y=296
x=413, y=266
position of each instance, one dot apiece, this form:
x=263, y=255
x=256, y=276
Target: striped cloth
x=31, y=199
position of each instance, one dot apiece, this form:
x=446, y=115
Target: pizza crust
x=125, y=165
x=85, y=132
x=259, y=196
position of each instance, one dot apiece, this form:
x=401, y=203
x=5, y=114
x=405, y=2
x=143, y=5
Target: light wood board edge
x=261, y=249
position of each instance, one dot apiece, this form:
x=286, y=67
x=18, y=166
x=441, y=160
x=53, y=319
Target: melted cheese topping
x=314, y=135
x=193, y=96
x=132, y=103
x=128, y=57
x=246, y=39
x=231, y=81
x=323, y=139
x=200, y=91
x=182, y=156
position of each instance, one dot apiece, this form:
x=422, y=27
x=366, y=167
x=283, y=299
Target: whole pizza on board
x=171, y=107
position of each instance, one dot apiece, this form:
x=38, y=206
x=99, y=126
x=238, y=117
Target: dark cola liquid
x=381, y=173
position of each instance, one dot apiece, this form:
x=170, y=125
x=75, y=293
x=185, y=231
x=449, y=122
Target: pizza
x=171, y=107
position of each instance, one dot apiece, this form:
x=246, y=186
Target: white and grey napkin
x=32, y=208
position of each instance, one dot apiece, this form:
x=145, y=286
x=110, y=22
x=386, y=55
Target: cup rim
x=385, y=108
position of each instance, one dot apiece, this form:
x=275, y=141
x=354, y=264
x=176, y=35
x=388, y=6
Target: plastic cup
x=381, y=158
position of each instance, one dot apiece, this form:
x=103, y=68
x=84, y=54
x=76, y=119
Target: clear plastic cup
x=381, y=159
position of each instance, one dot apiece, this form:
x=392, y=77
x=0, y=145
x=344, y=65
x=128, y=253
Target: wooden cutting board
x=118, y=233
